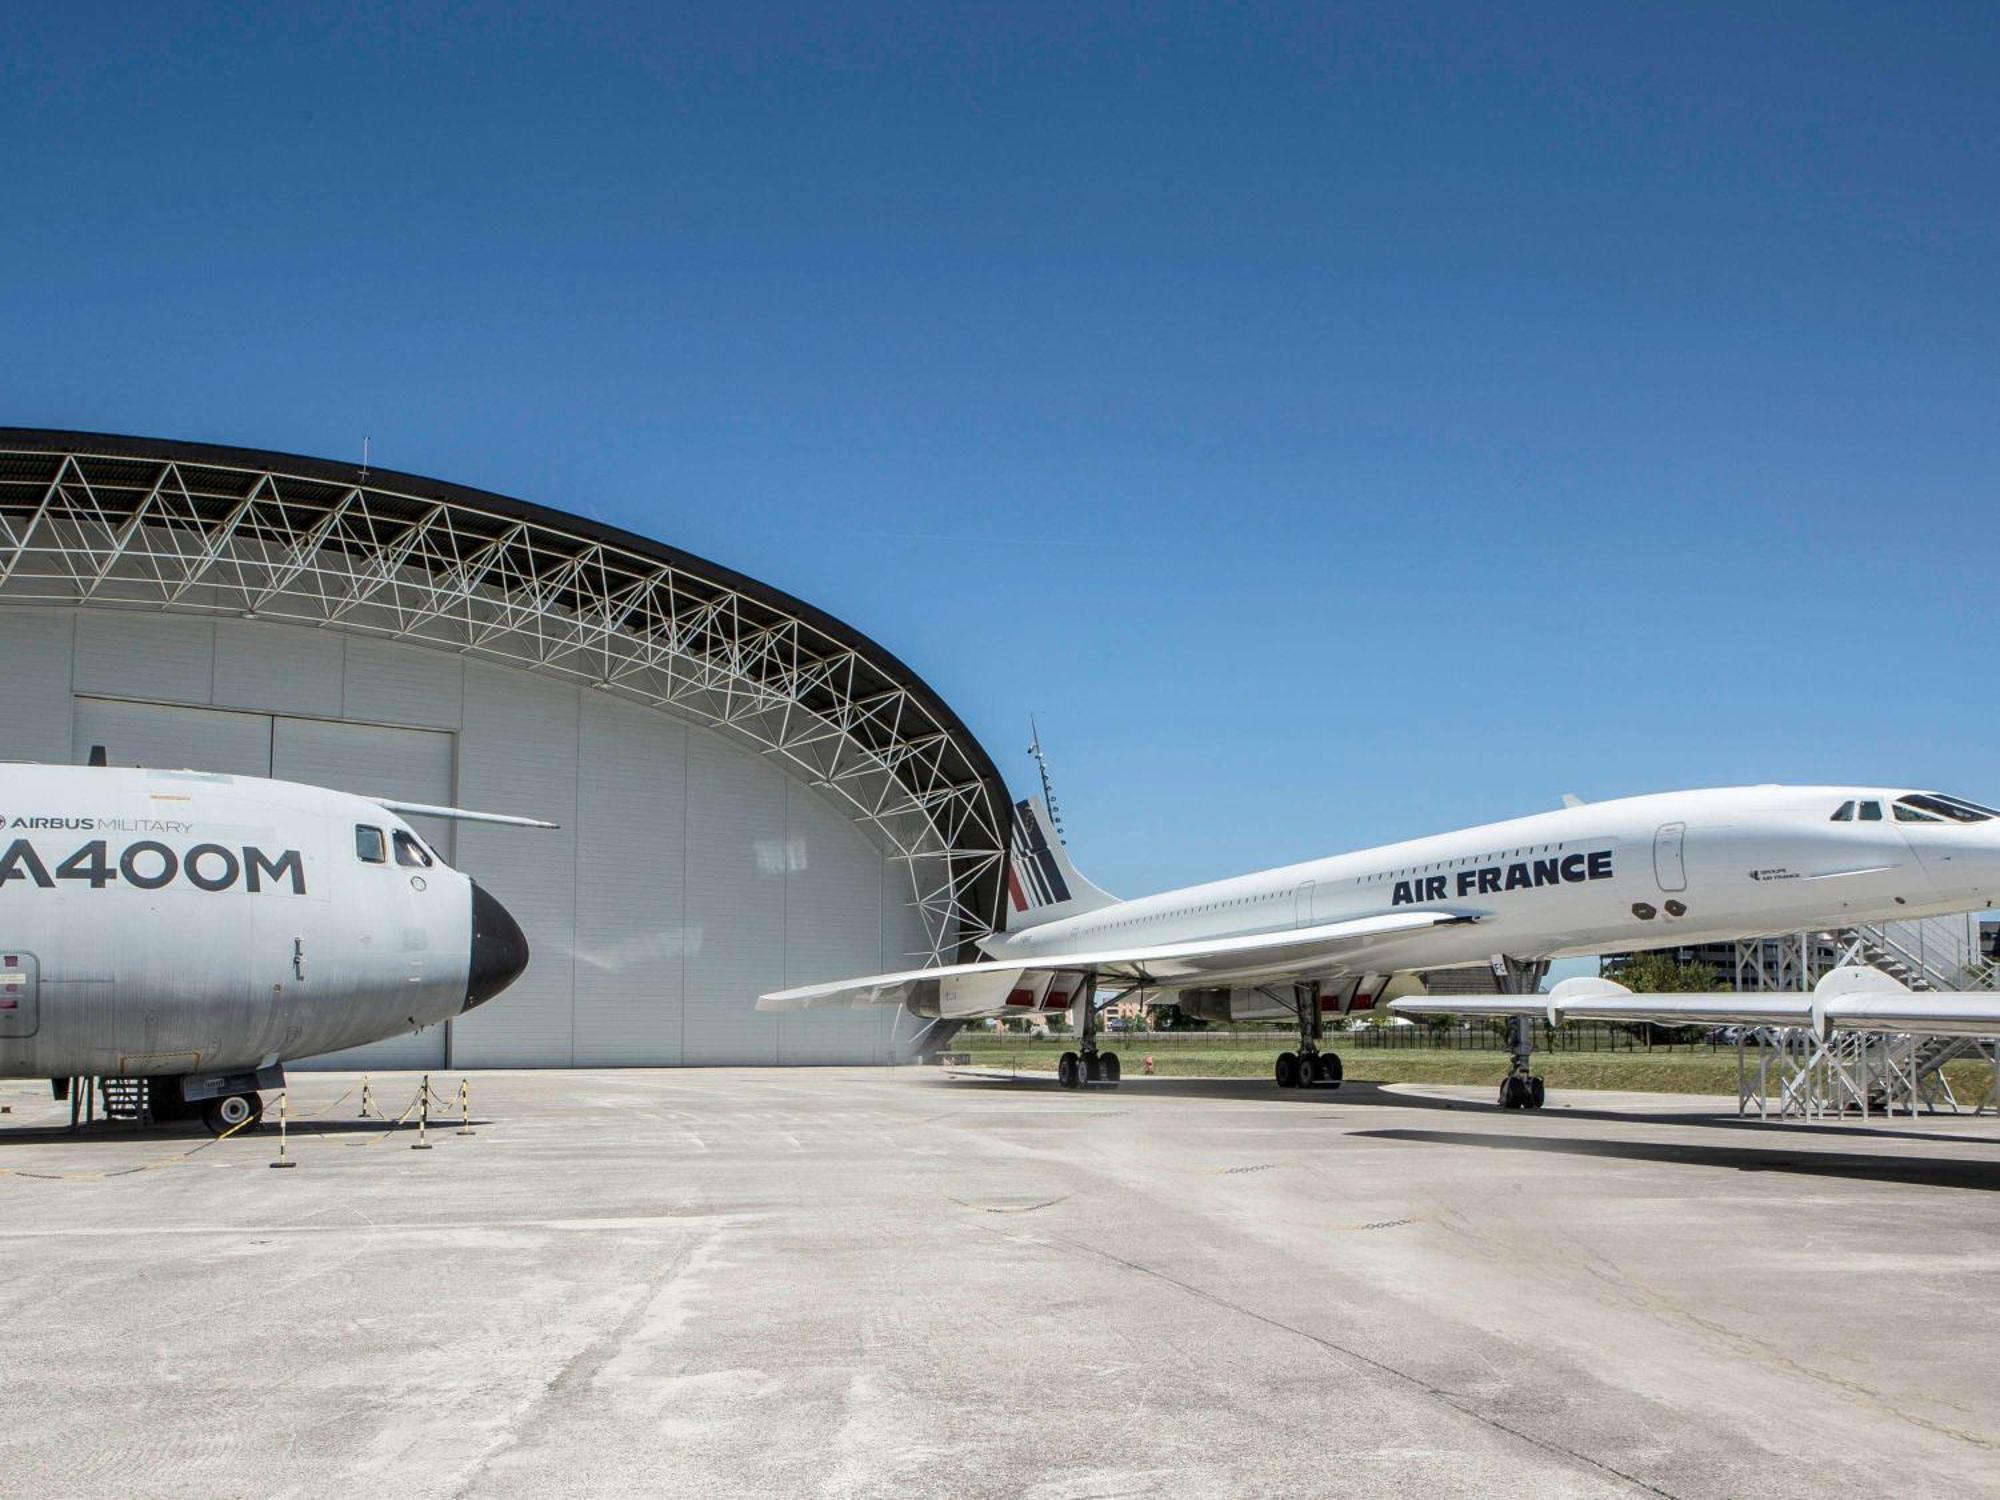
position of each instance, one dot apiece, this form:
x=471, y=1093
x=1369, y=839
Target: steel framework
x=133, y=523
x=1789, y=1070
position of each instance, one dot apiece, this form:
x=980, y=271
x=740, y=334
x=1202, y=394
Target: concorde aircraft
x=1328, y=936
x=200, y=931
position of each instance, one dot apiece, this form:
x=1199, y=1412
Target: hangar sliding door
x=166, y=736
x=413, y=765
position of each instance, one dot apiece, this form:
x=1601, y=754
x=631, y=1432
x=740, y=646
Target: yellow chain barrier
x=178, y=1157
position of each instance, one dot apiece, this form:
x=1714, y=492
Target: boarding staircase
x=1854, y=1073
x=124, y=1098
x=1874, y=946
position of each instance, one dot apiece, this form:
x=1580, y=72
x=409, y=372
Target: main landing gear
x=1075, y=1069
x=1308, y=1067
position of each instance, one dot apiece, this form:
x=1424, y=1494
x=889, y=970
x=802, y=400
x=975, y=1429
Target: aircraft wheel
x=1108, y=1066
x=1536, y=1093
x=1329, y=1069
x=1069, y=1070
x=1288, y=1070
x=1093, y=1066
x=1507, y=1100
x=237, y=1112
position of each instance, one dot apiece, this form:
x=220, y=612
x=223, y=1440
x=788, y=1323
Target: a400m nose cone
x=499, y=949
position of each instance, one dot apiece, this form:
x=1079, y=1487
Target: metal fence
x=1474, y=1036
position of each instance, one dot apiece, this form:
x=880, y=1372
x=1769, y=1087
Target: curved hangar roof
x=141, y=523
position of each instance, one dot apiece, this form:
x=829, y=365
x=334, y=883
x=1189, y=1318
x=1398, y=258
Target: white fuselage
x=1640, y=872
x=175, y=922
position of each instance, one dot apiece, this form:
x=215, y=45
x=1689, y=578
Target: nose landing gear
x=1521, y=1091
x=1522, y=1088
x=233, y=1112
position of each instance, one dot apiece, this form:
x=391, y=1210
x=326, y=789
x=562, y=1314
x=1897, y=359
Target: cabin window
x=409, y=851
x=369, y=845
x=1846, y=813
x=1924, y=808
x=1871, y=812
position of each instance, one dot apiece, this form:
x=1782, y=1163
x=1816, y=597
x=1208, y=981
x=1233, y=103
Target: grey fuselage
x=158, y=923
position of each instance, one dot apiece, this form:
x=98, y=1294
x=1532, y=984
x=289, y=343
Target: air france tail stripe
x=1014, y=887
x=1036, y=860
x=1036, y=878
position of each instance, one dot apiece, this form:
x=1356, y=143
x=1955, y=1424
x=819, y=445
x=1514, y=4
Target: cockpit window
x=1846, y=813
x=1921, y=807
x=1871, y=812
x=369, y=845
x=1968, y=806
x=1955, y=808
x=409, y=851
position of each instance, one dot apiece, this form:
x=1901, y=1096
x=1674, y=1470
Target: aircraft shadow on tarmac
x=1909, y=1170
x=124, y=1132
x=1354, y=1092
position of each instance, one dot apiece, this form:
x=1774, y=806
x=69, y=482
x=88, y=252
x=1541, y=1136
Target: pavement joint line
x=442, y=1226
x=1457, y=1402
x=583, y=1364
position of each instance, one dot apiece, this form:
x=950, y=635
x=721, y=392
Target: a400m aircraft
x=1326, y=937
x=201, y=930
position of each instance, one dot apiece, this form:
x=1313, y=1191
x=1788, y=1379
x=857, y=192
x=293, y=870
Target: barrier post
x=422, y=1142
x=284, y=1112
x=464, y=1109
x=367, y=1096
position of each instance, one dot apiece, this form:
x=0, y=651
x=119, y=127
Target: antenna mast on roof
x=1042, y=765
x=364, y=459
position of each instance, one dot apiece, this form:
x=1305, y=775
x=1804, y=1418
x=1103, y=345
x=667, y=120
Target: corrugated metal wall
x=690, y=873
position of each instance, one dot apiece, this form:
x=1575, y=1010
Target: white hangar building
x=752, y=795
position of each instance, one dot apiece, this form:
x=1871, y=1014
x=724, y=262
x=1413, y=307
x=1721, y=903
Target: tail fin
x=1042, y=885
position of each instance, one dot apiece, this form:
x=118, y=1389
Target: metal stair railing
x=1927, y=1068
x=125, y=1098
x=1873, y=944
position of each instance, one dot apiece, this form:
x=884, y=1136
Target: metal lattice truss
x=127, y=523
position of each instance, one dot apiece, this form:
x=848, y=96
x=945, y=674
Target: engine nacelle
x=1210, y=1005
x=1222, y=1005
x=995, y=989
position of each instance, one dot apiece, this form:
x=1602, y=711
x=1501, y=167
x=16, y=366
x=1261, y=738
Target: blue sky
x=1335, y=423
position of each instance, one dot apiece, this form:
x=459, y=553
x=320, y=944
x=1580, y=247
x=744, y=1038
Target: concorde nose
x=499, y=949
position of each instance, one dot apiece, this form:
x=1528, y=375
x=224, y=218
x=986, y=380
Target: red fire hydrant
x=1149, y=1062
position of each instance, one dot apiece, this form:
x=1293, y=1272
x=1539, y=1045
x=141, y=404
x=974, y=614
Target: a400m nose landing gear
x=1308, y=1067
x=1087, y=1064
x=232, y=1112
